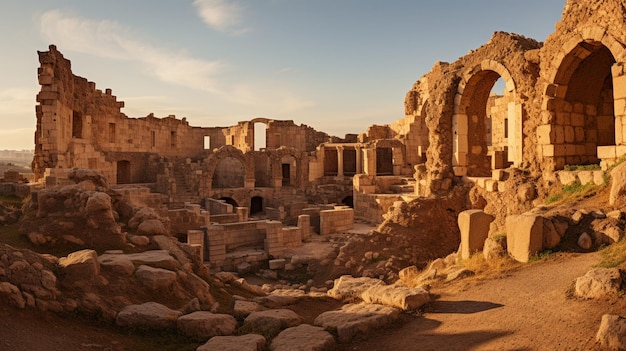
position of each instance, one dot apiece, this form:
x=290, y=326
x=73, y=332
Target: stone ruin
x=460, y=147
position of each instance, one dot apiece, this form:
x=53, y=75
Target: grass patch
x=13, y=202
x=612, y=255
x=592, y=167
x=543, y=255
x=573, y=192
x=495, y=266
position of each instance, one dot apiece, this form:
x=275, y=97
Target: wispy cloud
x=221, y=15
x=109, y=39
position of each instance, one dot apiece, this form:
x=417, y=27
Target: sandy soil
x=528, y=309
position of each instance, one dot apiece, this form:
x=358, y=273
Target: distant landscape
x=19, y=160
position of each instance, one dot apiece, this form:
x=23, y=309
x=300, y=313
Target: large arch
x=473, y=152
x=224, y=152
x=582, y=110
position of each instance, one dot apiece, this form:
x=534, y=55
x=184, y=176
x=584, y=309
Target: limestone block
x=147, y=315
x=155, y=278
x=354, y=319
x=248, y=342
x=78, y=268
x=619, y=87
x=524, y=236
x=277, y=263
x=396, y=296
x=155, y=258
x=491, y=185
x=618, y=184
x=612, y=332
x=272, y=320
x=566, y=177
x=346, y=286
x=546, y=135
x=474, y=227
x=304, y=337
x=242, y=308
x=606, y=152
x=205, y=325
x=599, y=283
x=117, y=263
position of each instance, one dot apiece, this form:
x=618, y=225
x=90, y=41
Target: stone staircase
x=183, y=190
x=407, y=185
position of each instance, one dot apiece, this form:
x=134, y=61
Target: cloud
x=221, y=15
x=109, y=39
x=286, y=70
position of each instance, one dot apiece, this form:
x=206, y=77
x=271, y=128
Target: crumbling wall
x=445, y=94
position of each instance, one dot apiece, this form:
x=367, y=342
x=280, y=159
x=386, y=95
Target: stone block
x=277, y=263
x=546, y=135
x=474, y=227
x=524, y=236
x=606, y=152
x=491, y=185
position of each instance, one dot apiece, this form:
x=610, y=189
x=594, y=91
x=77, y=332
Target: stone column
x=339, y=161
x=358, y=159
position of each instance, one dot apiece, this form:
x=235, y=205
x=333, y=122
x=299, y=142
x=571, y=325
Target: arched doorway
x=230, y=201
x=348, y=201
x=229, y=173
x=583, y=113
x=123, y=172
x=256, y=205
x=487, y=123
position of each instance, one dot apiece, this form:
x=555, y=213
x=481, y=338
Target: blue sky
x=336, y=65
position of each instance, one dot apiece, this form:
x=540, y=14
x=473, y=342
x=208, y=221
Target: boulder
x=79, y=268
x=79, y=175
x=248, y=342
x=353, y=319
x=474, y=227
x=494, y=248
x=12, y=294
x=585, y=241
x=147, y=315
x=98, y=202
x=304, y=337
x=272, y=321
x=612, y=332
x=346, y=286
x=396, y=296
x=205, y=325
x=118, y=263
x=599, y=283
x=155, y=258
x=155, y=278
x=152, y=227
x=242, y=308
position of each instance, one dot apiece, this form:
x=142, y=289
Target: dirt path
x=527, y=310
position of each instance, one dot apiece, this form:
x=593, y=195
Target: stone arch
x=233, y=154
x=580, y=102
x=282, y=159
x=474, y=154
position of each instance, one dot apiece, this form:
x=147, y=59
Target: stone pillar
x=524, y=236
x=339, y=161
x=195, y=238
x=460, y=146
x=304, y=223
x=274, y=239
x=217, y=245
x=358, y=160
x=474, y=227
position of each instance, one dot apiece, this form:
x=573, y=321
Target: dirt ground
x=527, y=309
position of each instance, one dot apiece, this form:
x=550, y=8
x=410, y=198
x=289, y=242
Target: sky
x=338, y=66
